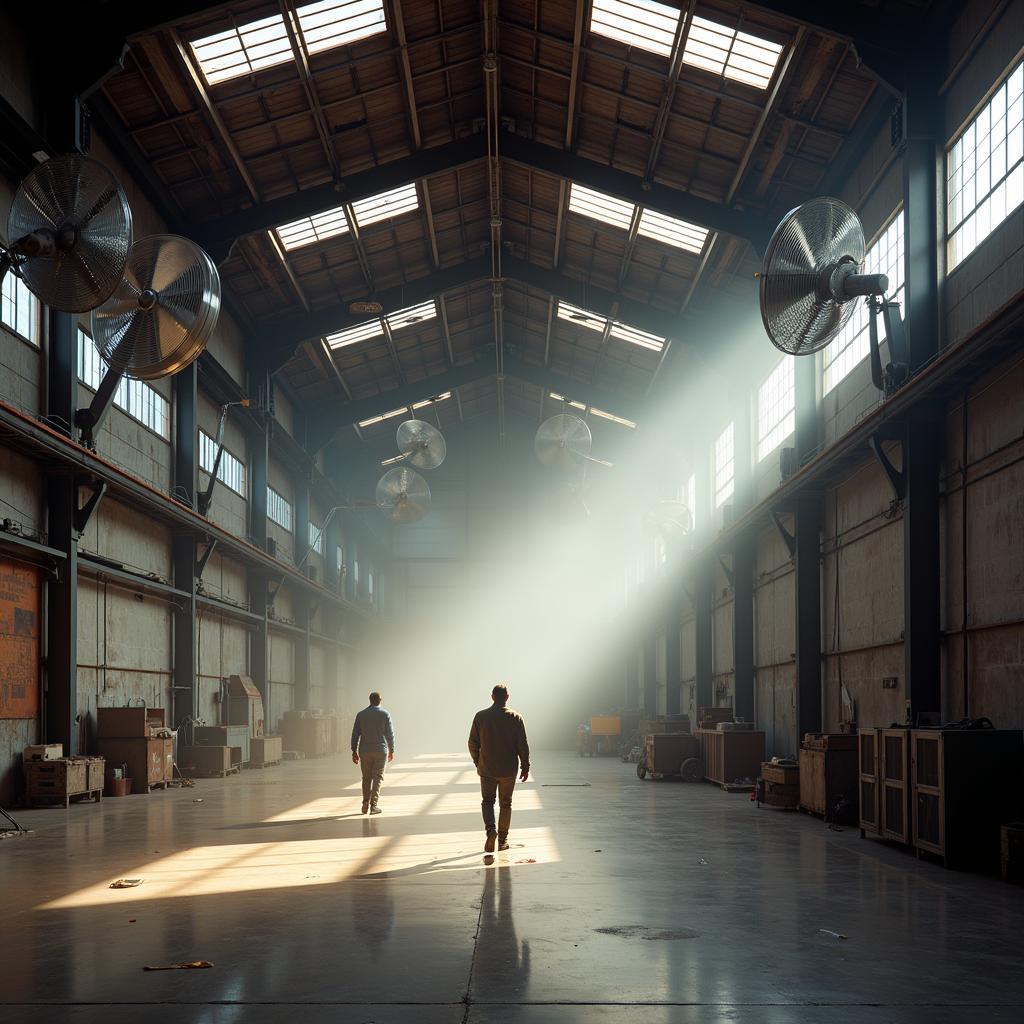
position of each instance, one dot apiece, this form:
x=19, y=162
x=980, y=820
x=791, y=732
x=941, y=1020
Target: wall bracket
x=84, y=513
x=788, y=538
x=204, y=558
x=897, y=477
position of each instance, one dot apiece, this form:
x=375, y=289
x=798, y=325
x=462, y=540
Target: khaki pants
x=372, y=765
x=503, y=789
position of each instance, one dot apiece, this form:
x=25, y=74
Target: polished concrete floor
x=619, y=901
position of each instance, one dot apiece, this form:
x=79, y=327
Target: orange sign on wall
x=19, y=641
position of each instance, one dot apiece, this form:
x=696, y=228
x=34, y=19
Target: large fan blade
x=164, y=311
x=799, y=315
x=403, y=495
x=563, y=441
x=422, y=444
x=80, y=203
x=670, y=520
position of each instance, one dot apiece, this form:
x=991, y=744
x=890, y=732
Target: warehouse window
x=637, y=337
x=354, y=335
x=369, y=585
x=687, y=494
x=724, y=466
x=776, y=408
x=600, y=207
x=412, y=315
x=230, y=472
x=386, y=205
x=138, y=399
x=633, y=335
x=316, y=537
x=318, y=228
x=642, y=23
x=672, y=231
x=339, y=560
x=731, y=54
x=279, y=509
x=985, y=171
x=851, y=344
x=264, y=43
x=19, y=308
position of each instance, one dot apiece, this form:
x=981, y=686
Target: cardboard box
x=44, y=752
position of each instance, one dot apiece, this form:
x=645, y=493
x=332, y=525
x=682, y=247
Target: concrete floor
x=620, y=900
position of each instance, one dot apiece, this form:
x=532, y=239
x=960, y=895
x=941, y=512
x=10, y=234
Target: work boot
x=503, y=844
x=366, y=807
x=376, y=810
x=489, y=842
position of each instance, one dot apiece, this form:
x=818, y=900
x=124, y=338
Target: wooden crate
x=781, y=774
x=43, y=752
x=53, y=782
x=210, y=761
x=665, y=753
x=306, y=734
x=828, y=777
x=867, y=790
x=963, y=787
x=894, y=785
x=731, y=756
x=150, y=762
x=776, y=794
x=265, y=750
x=128, y=723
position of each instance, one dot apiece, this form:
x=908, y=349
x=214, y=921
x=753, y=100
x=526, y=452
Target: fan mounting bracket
x=897, y=477
x=84, y=512
x=787, y=538
x=90, y=419
x=204, y=558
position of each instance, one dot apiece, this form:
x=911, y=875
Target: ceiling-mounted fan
x=403, y=495
x=811, y=276
x=69, y=233
x=670, y=520
x=421, y=445
x=564, y=441
x=158, y=321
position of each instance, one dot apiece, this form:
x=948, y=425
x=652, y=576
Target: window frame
x=33, y=338
x=773, y=427
x=272, y=493
x=209, y=441
x=724, y=489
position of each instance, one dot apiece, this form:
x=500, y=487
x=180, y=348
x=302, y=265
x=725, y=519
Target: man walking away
x=373, y=740
x=498, y=746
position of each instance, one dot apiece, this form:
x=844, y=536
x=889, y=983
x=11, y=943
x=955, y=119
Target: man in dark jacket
x=498, y=746
x=373, y=739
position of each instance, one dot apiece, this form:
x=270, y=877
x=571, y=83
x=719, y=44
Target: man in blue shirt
x=373, y=740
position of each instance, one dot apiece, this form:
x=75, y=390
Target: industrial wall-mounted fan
x=69, y=233
x=810, y=278
x=157, y=322
x=670, y=520
x=421, y=444
x=563, y=442
x=403, y=495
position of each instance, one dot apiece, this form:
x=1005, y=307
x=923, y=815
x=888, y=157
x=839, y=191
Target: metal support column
x=743, y=628
x=673, y=672
x=650, y=660
x=61, y=690
x=805, y=384
x=922, y=444
x=259, y=664
x=807, y=562
x=301, y=601
x=185, y=681
x=703, y=636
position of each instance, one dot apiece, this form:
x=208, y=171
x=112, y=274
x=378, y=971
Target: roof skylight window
x=386, y=205
x=637, y=337
x=308, y=230
x=621, y=420
x=264, y=43
x=412, y=315
x=383, y=416
x=561, y=398
x=430, y=401
x=671, y=231
x=331, y=23
x=354, y=335
x=736, y=55
x=600, y=207
x=575, y=315
x=642, y=23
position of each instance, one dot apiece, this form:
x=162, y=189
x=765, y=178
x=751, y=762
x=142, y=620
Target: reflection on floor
x=620, y=901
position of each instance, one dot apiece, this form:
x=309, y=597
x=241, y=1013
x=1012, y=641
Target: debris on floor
x=191, y=966
x=640, y=931
x=830, y=934
x=126, y=883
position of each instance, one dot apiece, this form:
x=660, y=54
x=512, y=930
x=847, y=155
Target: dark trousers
x=503, y=789
x=372, y=764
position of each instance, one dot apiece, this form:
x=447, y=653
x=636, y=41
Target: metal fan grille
x=403, y=495
x=73, y=193
x=422, y=443
x=563, y=441
x=815, y=235
x=164, y=311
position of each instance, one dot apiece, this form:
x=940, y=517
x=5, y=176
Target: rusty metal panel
x=19, y=641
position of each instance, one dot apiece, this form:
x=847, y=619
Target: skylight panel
x=386, y=205
x=600, y=207
x=582, y=317
x=243, y=49
x=384, y=416
x=637, y=337
x=736, y=55
x=431, y=401
x=353, y=335
x=412, y=315
x=671, y=231
x=312, y=229
x=331, y=23
x=561, y=398
x=642, y=23
x=621, y=420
